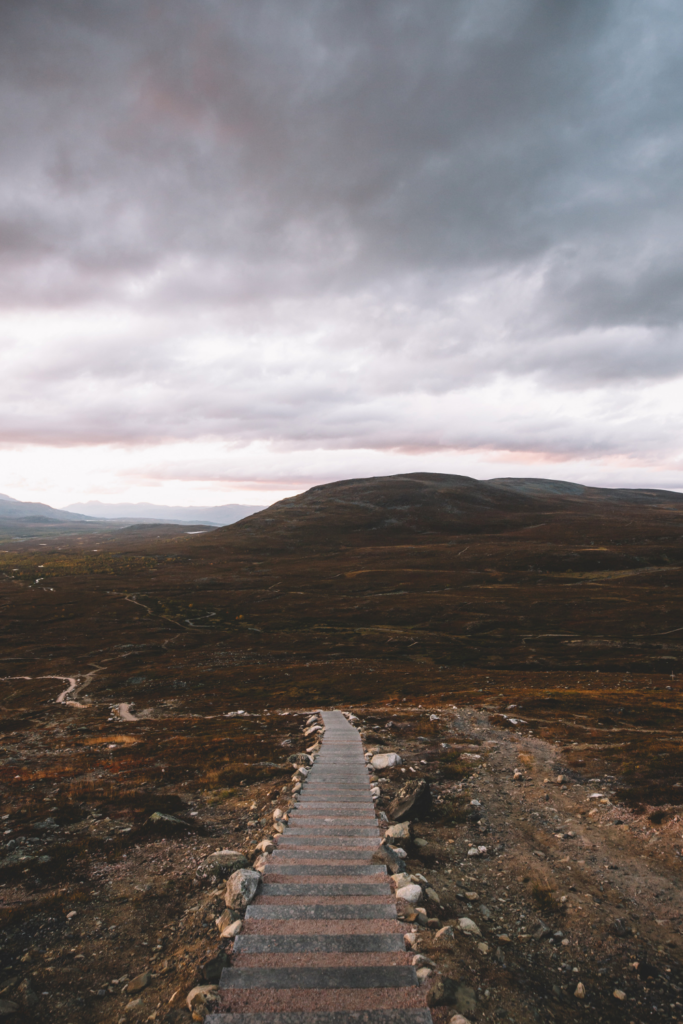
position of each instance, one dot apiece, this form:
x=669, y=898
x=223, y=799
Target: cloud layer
x=409, y=229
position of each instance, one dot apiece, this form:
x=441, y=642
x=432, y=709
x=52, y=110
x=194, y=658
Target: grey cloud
x=427, y=196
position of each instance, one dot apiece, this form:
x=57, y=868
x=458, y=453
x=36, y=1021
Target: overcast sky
x=247, y=246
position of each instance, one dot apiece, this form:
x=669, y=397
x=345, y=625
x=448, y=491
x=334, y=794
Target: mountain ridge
x=211, y=515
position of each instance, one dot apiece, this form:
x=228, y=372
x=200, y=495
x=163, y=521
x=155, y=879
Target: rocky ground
x=574, y=907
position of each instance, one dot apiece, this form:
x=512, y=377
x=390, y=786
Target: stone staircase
x=321, y=943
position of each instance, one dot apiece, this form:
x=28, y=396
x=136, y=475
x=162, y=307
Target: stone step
x=301, y=840
x=319, y=889
x=305, y=870
x=318, y=977
x=348, y=1017
x=334, y=826
x=388, y=942
x=321, y=912
x=286, y=855
x=317, y=814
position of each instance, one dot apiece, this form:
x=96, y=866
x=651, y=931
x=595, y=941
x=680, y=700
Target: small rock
x=560, y=779
x=389, y=760
x=387, y=855
x=483, y=947
x=432, y=895
x=422, y=961
x=241, y=888
x=473, y=852
x=467, y=925
x=504, y=938
x=227, y=918
x=580, y=991
x=277, y=814
x=401, y=878
x=620, y=928
x=167, y=821
x=421, y=843
x=198, y=995
x=542, y=932
x=138, y=983
x=265, y=846
x=7, y=1007
x=409, y=893
x=485, y=912
x=313, y=720
x=458, y=1019
x=232, y=930
x=134, y=1004
x=618, y=994
x=445, y=934
x=410, y=938
x=472, y=896
x=71, y=915
x=424, y=973
x=401, y=831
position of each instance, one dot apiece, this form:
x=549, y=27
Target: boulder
x=391, y=760
x=241, y=888
x=220, y=865
x=385, y=855
x=410, y=893
x=401, y=831
x=413, y=801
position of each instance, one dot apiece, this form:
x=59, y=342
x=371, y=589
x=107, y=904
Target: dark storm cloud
x=420, y=197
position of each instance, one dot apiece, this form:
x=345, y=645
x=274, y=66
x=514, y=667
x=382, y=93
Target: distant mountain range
x=143, y=511
x=35, y=511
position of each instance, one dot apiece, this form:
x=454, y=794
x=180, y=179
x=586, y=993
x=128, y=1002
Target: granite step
x=318, y=977
x=349, y=1017
x=306, y=870
x=387, y=942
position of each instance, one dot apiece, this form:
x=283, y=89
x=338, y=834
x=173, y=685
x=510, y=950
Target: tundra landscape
x=516, y=643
